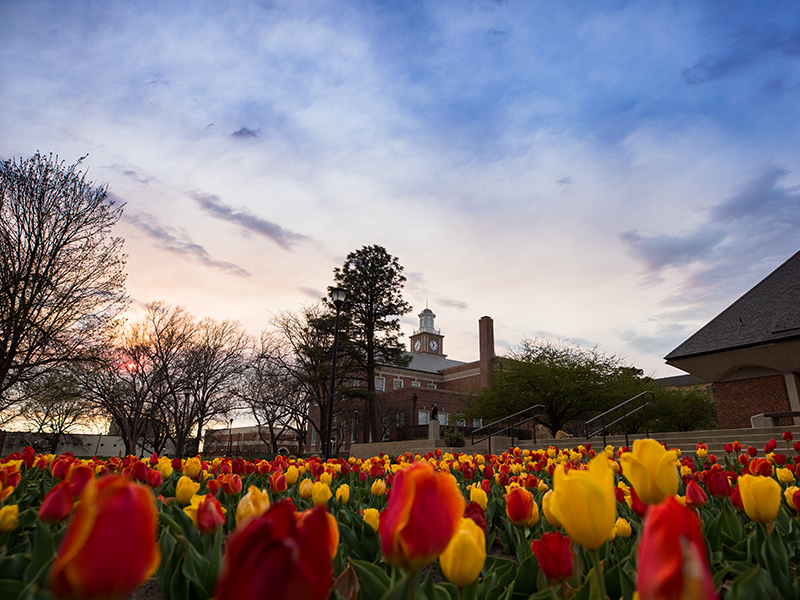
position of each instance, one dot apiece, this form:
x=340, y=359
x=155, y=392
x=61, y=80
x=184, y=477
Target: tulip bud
x=9, y=517
x=192, y=467
x=306, y=489
x=185, y=489
x=277, y=483
x=554, y=554
x=254, y=503
x=206, y=513
x=622, y=528
x=320, y=493
x=378, y=487
x=477, y=494
x=371, y=517
x=343, y=494
x=695, y=496
x=57, y=504
x=464, y=556
x=521, y=507
x=761, y=497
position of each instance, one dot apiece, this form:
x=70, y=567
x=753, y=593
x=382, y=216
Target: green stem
x=598, y=584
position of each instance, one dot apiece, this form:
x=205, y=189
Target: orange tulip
x=110, y=547
x=423, y=514
x=521, y=507
x=277, y=554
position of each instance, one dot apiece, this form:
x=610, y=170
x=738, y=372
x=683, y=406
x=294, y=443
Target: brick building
x=246, y=441
x=406, y=395
x=750, y=352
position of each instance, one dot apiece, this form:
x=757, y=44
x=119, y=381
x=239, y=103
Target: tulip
x=9, y=517
x=110, y=546
x=291, y=475
x=57, y=504
x=277, y=483
x=554, y=554
x=254, y=503
x=424, y=512
x=165, y=466
x=622, y=528
x=761, y=497
x=785, y=476
x=185, y=490
x=651, y=470
x=192, y=467
x=477, y=514
x=153, y=479
x=789, y=494
x=736, y=498
x=462, y=560
x=477, y=494
x=672, y=555
x=280, y=555
x=521, y=508
x=378, y=487
x=718, y=484
x=78, y=476
x=320, y=493
x=206, y=513
x=695, y=496
x=584, y=503
x=548, y=513
x=231, y=484
x=343, y=494
x=371, y=517
x=306, y=489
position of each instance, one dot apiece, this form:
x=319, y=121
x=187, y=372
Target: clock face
x=433, y=345
x=417, y=345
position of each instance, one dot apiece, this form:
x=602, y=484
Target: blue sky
x=613, y=173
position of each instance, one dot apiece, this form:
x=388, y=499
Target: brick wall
x=737, y=401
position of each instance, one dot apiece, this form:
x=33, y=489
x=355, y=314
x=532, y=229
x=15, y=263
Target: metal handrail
x=624, y=418
x=504, y=420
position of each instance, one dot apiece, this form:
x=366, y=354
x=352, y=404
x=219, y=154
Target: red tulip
x=521, y=507
x=736, y=498
x=110, y=547
x=554, y=554
x=206, y=513
x=477, y=514
x=154, y=478
x=717, y=484
x=423, y=514
x=787, y=436
x=637, y=506
x=277, y=554
x=728, y=448
x=77, y=477
x=57, y=504
x=695, y=496
x=277, y=483
x=672, y=555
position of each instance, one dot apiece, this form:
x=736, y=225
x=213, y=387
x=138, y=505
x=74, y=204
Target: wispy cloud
x=214, y=206
x=244, y=132
x=167, y=238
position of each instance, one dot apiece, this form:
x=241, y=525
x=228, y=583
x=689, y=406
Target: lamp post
x=337, y=295
x=230, y=440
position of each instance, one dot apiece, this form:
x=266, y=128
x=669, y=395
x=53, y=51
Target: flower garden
x=642, y=522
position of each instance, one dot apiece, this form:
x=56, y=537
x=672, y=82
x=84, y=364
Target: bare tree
x=61, y=274
x=215, y=362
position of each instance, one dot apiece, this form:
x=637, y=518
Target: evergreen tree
x=374, y=282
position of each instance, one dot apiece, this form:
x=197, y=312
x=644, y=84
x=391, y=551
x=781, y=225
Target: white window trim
x=380, y=383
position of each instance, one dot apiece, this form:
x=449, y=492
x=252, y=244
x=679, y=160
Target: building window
x=443, y=418
x=401, y=418
x=380, y=384
x=424, y=417
x=461, y=421
x=477, y=422
x=431, y=386
x=313, y=437
x=397, y=384
x=385, y=426
x=354, y=430
x=415, y=384
x=356, y=383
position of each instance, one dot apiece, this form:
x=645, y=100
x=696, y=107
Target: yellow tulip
x=372, y=518
x=185, y=489
x=192, y=467
x=761, y=497
x=9, y=517
x=462, y=560
x=548, y=513
x=378, y=487
x=652, y=471
x=320, y=493
x=306, y=489
x=343, y=493
x=291, y=475
x=477, y=494
x=583, y=502
x=543, y=487
x=326, y=478
x=785, y=476
x=254, y=503
x=165, y=466
x=622, y=528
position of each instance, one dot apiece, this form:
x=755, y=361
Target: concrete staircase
x=686, y=441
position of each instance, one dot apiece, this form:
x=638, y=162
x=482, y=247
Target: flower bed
x=581, y=523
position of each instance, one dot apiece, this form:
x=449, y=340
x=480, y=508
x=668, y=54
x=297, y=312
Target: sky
x=610, y=173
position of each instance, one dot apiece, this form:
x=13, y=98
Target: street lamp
x=230, y=439
x=337, y=295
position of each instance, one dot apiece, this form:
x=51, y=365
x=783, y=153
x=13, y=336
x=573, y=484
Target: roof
x=678, y=381
x=431, y=363
x=767, y=313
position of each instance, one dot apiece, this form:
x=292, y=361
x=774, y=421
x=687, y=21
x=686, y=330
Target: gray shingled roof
x=430, y=363
x=767, y=313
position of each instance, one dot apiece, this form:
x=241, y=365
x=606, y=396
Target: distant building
x=750, y=352
x=406, y=394
x=246, y=441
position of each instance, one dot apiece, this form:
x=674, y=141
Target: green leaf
x=525, y=582
x=43, y=554
x=753, y=583
x=194, y=568
x=373, y=580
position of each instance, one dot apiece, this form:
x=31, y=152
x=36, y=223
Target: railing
x=510, y=427
x=624, y=418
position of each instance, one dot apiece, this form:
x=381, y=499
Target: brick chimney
x=486, y=341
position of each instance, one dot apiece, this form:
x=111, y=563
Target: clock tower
x=427, y=339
